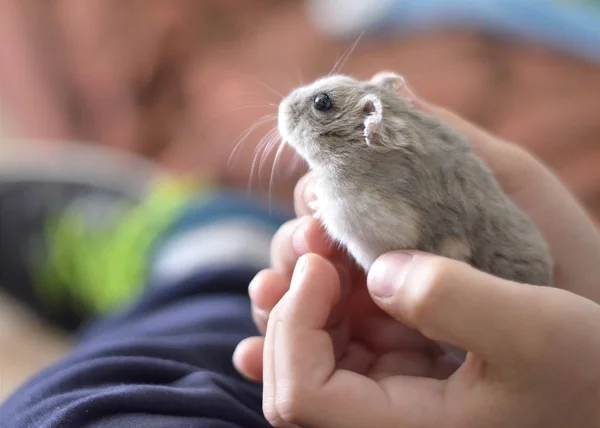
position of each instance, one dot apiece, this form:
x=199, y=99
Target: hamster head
x=337, y=118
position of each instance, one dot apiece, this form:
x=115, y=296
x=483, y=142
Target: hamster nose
x=285, y=119
x=285, y=109
x=287, y=112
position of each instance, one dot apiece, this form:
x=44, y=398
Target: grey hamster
x=390, y=177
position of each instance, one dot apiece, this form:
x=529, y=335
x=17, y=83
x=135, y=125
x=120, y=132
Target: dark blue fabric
x=163, y=363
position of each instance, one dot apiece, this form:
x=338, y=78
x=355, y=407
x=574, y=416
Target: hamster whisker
x=250, y=104
x=258, y=94
x=270, y=144
x=290, y=81
x=266, y=86
x=341, y=62
x=259, y=149
x=274, y=167
x=295, y=163
x=298, y=71
x=262, y=121
x=273, y=90
x=242, y=107
x=243, y=138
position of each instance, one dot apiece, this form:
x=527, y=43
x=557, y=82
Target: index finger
x=302, y=195
x=300, y=368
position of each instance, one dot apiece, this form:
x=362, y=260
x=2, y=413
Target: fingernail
x=298, y=273
x=299, y=241
x=260, y=313
x=388, y=274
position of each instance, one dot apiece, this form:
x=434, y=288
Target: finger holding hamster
x=303, y=196
x=297, y=237
x=266, y=289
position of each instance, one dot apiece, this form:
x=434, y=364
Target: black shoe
x=76, y=223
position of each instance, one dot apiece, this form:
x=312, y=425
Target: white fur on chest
x=365, y=225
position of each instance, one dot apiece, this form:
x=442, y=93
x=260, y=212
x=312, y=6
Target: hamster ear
x=373, y=118
x=389, y=80
x=377, y=135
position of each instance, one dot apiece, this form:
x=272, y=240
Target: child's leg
x=163, y=358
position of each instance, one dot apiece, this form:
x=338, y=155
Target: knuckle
x=260, y=319
x=271, y=415
x=283, y=234
x=282, y=242
x=290, y=402
x=275, y=316
x=278, y=314
x=286, y=406
x=548, y=334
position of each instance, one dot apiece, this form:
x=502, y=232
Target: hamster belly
x=368, y=230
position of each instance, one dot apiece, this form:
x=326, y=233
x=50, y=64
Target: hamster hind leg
x=455, y=247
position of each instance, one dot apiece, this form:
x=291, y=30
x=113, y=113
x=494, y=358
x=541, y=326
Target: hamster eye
x=322, y=102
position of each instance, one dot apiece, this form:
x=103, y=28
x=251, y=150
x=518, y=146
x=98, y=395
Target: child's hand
x=575, y=247
x=533, y=358
x=363, y=332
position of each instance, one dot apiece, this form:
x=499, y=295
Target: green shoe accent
x=103, y=267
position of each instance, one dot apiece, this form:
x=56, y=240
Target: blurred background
x=180, y=81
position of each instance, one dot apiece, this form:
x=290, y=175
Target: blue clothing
x=573, y=27
x=165, y=362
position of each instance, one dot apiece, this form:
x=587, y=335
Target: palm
x=368, y=341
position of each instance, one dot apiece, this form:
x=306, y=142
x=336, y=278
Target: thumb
x=452, y=302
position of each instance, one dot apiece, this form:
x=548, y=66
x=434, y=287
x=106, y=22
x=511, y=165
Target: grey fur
x=406, y=181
